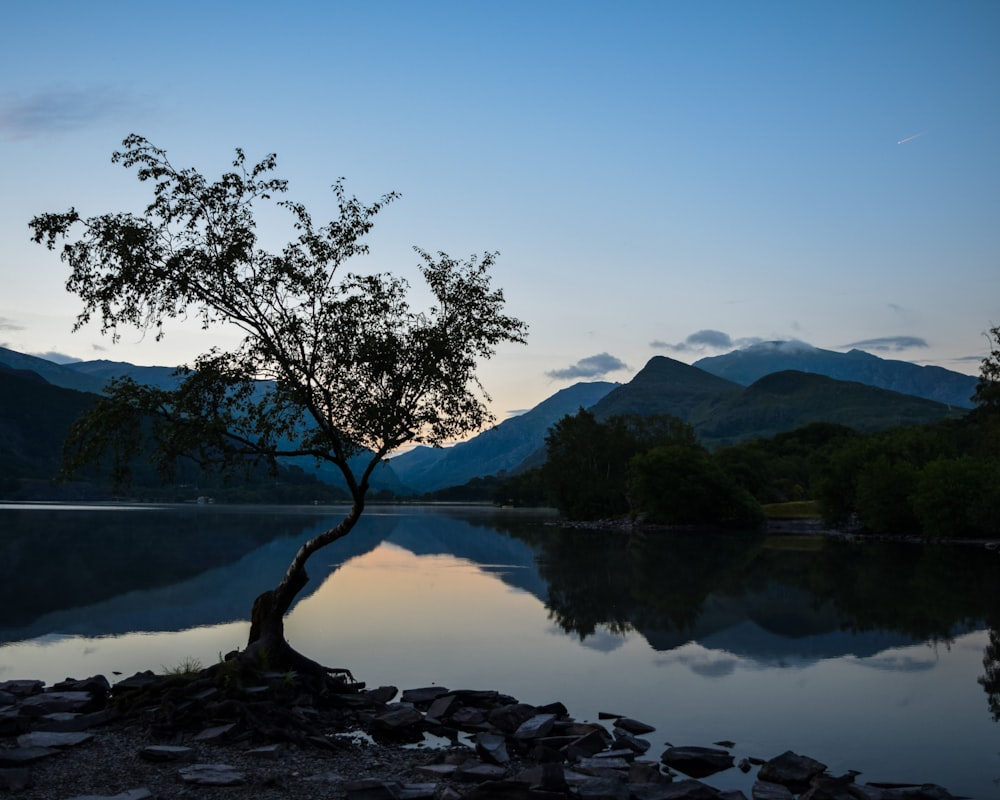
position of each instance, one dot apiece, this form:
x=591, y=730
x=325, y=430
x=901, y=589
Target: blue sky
x=660, y=178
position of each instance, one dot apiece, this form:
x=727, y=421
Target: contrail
x=911, y=138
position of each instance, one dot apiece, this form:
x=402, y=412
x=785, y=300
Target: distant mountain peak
x=930, y=383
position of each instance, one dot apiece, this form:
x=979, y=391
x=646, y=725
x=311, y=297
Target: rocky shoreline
x=282, y=736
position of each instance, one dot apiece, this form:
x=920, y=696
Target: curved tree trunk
x=266, y=644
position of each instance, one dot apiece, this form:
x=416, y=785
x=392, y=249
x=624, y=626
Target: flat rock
x=24, y=755
x=477, y=772
x=215, y=733
x=468, y=717
x=212, y=775
x=22, y=688
x=418, y=791
x=51, y=702
x=624, y=739
x=426, y=694
x=268, y=751
x=441, y=706
x=697, y=762
x=633, y=726
x=167, y=752
x=535, y=727
x=599, y=763
x=382, y=694
x=437, y=770
x=401, y=717
x=510, y=717
x=764, y=790
x=681, y=790
x=492, y=747
x=603, y=789
x=53, y=739
x=585, y=746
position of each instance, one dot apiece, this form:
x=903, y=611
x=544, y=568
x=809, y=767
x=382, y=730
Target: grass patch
x=799, y=509
x=187, y=668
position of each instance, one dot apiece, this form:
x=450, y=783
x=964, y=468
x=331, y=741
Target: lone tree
x=331, y=364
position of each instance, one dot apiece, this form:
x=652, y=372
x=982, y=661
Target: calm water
x=868, y=658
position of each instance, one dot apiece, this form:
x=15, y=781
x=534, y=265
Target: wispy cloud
x=62, y=110
x=706, y=339
x=589, y=367
x=56, y=357
x=891, y=344
x=9, y=325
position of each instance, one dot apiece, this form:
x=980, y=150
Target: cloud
x=9, y=325
x=60, y=110
x=706, y=339
x=589, y=367
x=889, y=343
x=56, y=357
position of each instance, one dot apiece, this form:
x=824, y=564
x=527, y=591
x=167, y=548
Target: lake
x=865, y=656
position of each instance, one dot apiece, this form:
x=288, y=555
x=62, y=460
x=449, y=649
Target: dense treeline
x=652, y=467
x=932, y=480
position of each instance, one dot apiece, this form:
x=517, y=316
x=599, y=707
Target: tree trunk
x=267, y=647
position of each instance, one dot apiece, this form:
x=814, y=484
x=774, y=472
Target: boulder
x=791, y=770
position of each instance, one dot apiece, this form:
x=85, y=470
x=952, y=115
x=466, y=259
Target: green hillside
x=785, y=401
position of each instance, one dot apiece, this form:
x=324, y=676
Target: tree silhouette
x=330, y=364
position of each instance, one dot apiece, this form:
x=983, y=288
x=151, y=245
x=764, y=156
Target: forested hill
x=723, y=412
x=34, y=418
x=788, y=400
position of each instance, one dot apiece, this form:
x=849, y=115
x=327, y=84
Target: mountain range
x=932, y=383
x=751, y=393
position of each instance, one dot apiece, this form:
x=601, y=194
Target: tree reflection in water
x=792, y=586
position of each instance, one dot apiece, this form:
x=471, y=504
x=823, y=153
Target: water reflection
x=767, y=597
x=816, y=644
x=772, y=599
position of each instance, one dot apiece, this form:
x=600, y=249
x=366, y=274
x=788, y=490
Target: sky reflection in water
x=399, y=608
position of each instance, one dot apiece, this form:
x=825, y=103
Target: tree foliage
x=330, y=363
x=651, y=466
x=987, y=394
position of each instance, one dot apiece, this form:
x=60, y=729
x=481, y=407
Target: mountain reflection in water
x=717, y=635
